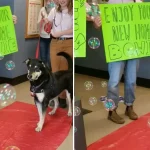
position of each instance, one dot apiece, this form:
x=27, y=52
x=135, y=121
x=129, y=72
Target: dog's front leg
x=69, y=103
x=42, y=113
x=56, y=103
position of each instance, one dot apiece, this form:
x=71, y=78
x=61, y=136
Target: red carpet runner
x=17, y=128
x=134, y=136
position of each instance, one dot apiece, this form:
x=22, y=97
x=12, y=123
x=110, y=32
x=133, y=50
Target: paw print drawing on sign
x=79, y=29
x=79, y=41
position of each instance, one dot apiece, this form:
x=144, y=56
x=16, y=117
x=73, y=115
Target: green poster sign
x=79, y=28
x=8, y=43
x=126, y=30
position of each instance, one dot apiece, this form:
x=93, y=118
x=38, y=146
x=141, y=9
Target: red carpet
x=17, y=128
x=134, y=136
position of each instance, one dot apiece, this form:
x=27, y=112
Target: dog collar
x=34, y=90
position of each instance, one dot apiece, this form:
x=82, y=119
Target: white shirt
x=61, y=21
x=43, y=34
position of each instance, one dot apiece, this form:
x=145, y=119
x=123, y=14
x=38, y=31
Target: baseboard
x=80, y=70
x=14, y=81
x=104, y=74
x=85, y=111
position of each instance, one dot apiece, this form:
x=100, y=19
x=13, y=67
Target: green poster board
x=126, y=30
x=8, y=43
x=79, y=28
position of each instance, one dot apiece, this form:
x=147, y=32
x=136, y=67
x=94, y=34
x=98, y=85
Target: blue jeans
x=116, y=70
x=45, y=51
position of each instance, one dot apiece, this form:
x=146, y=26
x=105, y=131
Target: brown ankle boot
x=113, y=116
x=130, y=113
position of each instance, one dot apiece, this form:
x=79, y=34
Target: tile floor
x=96, y=124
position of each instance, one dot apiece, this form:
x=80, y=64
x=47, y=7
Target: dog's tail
x=69, y=59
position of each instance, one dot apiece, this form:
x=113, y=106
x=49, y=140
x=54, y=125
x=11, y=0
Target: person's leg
x=43, y=55
x=67, y=47
x=130, y=84
x=48, y=41
x=53, y=60
x=115, y=70
x=56, y=47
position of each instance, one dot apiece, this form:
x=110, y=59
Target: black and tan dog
x=46, y=86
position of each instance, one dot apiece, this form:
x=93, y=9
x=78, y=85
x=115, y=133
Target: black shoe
x=62, y=103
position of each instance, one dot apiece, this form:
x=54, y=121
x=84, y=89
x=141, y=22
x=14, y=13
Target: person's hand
x=97, y=21
x=42, y=14
x=56, y=2
x=89, y=18
x=47, y=28
x=45, y=20
x=14, y=19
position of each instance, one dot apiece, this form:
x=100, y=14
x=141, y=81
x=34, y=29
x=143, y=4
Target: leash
x=38, y=45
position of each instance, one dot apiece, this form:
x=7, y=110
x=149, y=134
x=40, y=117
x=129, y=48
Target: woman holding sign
x=116, y=69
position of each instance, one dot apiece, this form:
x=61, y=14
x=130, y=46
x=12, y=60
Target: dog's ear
x=27, y=61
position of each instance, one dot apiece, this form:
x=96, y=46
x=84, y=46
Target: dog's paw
x=38, y=129
x=38, y=124
x=52, y=112
x=69, y=114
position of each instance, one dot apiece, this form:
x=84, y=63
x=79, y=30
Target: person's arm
x=50, y=16
x=67, y=32
x=97, y=22
x=14, y=19
x=88, y=17
x=61, y=33
x=40, y=17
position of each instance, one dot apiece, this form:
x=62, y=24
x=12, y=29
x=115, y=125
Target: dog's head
x=36, y=69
